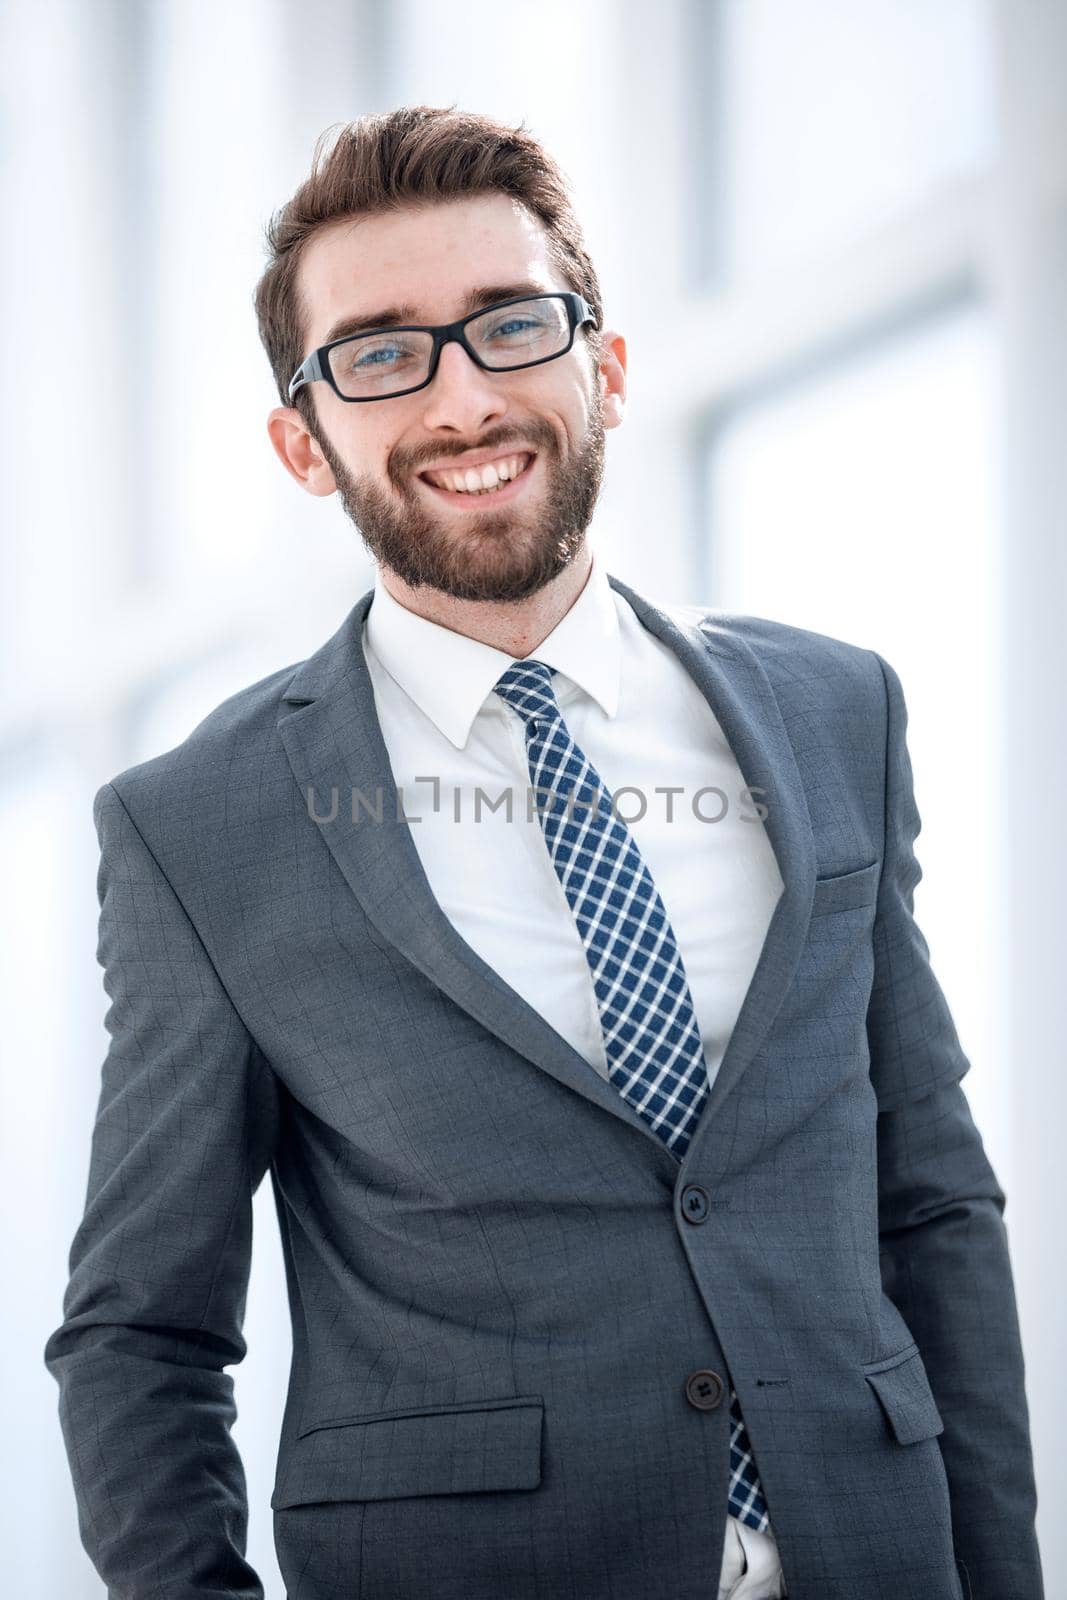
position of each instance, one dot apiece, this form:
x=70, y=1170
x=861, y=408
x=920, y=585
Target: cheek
x=351, y=442
x=578, y=410
x=564, y=418
x=374, y=455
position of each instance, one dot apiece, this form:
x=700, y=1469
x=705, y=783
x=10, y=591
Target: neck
x=515, y=627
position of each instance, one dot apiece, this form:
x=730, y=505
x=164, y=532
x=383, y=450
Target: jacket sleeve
x=159, y=1264
x=943, y=1244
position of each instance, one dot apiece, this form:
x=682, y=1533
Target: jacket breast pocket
x=846, y=891
x=903, y=1387
x=387, y=1455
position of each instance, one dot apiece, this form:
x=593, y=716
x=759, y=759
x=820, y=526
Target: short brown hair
x=412, y=155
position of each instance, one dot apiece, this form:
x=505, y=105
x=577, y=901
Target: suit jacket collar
x=333, y=740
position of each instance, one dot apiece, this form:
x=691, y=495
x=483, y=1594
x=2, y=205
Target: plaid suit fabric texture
x=651, y=1038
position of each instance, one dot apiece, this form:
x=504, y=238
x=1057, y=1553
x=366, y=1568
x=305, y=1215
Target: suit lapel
x=735, y=685
x=334, y=744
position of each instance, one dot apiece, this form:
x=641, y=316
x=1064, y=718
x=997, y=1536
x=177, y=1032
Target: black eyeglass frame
x=317, y=365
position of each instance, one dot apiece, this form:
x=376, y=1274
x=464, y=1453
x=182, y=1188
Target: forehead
x=429, y=256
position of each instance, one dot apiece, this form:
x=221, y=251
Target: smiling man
x=458, y=550
x=640, y=1243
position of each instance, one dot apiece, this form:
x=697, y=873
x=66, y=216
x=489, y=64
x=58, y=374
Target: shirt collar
x=449, y=676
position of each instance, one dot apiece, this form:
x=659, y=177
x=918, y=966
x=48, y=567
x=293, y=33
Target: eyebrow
x=405, y=315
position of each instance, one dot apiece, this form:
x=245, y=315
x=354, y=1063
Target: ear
x=612, y=377
x=298, y=451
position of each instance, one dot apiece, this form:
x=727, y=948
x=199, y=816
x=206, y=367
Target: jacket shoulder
x=789, y=654
x=239, y=730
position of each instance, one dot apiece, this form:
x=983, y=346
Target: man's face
x=431, y=257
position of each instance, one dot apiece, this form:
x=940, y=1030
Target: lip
x=481, y=502
x=479, y=458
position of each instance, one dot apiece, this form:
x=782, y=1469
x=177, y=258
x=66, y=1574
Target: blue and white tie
x=651, y=1038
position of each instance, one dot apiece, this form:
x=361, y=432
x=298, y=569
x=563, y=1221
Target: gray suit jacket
x=500, y=1280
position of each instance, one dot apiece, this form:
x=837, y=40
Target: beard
x=482, y=554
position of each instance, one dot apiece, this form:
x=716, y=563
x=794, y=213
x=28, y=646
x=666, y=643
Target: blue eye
x=370, y=358
x=515, y=324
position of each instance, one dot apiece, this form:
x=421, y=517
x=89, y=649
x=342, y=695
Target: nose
x=462, y=397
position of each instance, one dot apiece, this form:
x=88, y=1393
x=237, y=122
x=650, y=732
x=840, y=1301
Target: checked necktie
x=653, y=1045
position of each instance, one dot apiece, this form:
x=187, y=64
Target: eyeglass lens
x=378, y=364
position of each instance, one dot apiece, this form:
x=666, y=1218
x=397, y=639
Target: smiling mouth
x=506, y=490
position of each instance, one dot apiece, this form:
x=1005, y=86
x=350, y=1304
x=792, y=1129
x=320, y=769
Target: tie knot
x=527, y=686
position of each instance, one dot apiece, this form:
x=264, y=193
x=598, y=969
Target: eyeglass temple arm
x=306, y=372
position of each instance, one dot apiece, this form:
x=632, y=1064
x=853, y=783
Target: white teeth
x=480, y=480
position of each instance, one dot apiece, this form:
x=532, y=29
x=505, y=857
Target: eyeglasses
x=386, y=362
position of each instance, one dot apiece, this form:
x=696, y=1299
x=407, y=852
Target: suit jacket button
x=704, y=1389
x=694, y=1203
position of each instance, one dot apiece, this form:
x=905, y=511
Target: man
x=639, y=1240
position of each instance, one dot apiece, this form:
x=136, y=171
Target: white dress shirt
x=458, y=754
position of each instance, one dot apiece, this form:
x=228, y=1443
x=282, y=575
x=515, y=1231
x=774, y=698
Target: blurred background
x=834, y=233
